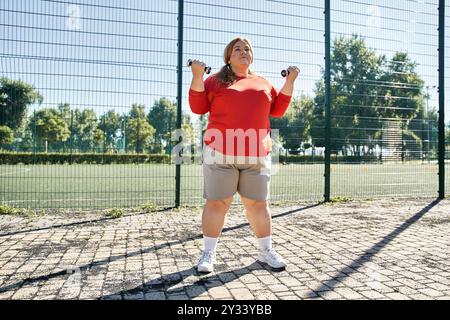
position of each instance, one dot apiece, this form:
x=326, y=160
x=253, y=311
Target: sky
x=110, y=54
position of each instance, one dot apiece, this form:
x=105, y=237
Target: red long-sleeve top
x=239, y=113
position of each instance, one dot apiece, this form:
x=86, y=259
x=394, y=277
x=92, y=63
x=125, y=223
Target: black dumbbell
x=284, y=73
x=207, y=69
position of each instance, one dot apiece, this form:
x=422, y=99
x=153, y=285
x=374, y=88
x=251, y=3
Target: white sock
x=210, y=244
x=265, y=243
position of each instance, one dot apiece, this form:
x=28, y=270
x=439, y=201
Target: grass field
x=106, y=186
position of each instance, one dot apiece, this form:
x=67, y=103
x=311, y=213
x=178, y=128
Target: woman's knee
x=257, y=206
x=219, y=205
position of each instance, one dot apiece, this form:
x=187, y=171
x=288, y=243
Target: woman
x=237, y=145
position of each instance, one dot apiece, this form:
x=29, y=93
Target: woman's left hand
x=293, y=72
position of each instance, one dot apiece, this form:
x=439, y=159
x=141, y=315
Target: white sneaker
x=206, y=262
x=272, y=258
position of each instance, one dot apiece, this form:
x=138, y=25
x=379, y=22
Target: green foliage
x=355, y=70
x=320, y=159
x=6, y=136
x=365, y=88
x=139, y=132
x=163, y=117
x=8, y=210
x=339, y=199
x=98, y=136
x=113, y=158
x=114, y=213
x=24, y=137
x=49, y=126
x=83, y=126
x=80, y=158
x=404, y=97
x=149, y=207
x=111, y=124
x=15, y=96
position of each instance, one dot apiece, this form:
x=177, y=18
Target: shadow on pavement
x=370, y=253
x=73, y=224
x=99, y=263
x=178, y=284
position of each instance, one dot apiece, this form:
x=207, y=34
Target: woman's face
x=241, y=56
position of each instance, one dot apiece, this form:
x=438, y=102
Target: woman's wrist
x=197, y=84
x=288, y=88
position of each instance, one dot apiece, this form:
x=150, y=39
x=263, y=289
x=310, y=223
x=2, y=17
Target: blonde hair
x=226, y=76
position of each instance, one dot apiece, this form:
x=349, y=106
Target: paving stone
x=341, y=251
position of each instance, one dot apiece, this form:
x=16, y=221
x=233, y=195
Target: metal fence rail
x=105, y=86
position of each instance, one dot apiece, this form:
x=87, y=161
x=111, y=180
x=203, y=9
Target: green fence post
x=179, y=96
x=441, y=137
x=327, y=101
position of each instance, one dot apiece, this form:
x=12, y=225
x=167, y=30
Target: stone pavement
x=388, y=249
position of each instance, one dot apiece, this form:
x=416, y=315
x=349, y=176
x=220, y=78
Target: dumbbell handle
x=207, y=69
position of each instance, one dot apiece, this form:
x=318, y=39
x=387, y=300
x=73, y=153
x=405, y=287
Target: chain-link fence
x=91, y=96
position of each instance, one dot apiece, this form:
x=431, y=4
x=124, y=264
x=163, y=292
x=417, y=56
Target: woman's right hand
x=198, y=68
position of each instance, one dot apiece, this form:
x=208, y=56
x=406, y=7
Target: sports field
x=106, y=186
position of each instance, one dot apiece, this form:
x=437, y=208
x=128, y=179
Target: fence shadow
x=73, y=224
x=105, y=219
x=347, y=271
x=99, y=263
x=169, y=285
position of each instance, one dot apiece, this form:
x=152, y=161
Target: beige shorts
x=225, y=175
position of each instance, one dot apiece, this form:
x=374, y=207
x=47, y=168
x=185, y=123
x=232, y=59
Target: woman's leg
x=213, y=217
x=258, y=215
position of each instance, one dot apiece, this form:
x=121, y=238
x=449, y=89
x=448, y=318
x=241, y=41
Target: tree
x=6, y=136
x=24, y=137
x=402, y=94
x=49, y=126
x=111, y=124
x=15, y=96
x=139, y=132
x=65, y=112
x=163, y=117
x=99, y=137
x=355, y=73
x=366, y=90
x=84, y=126
x=404, y=101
